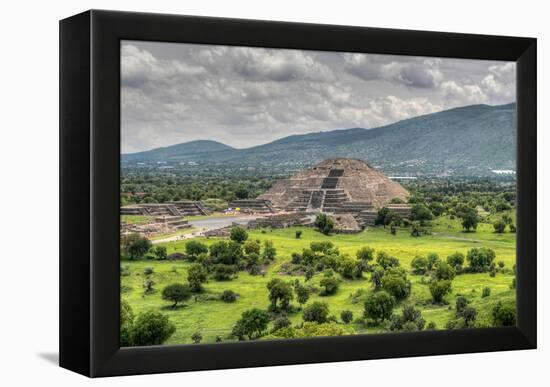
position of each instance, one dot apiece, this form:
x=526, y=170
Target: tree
x=349, y=268
x=470, y=219
x=365, y=254
x=298, y=234
x=138, y=246
x=196, y=276
x=242, y=193
x=227, y=253
x=269, y=251
x=444, y=271
x=280, y=323
x=330, y=284
x=433, y=259
x=499, y=226
x=376, y=277
x=160, y=253
x=379, y=306
x=386, y=261
x=316, y=312
x=302, y=293
x=419, y=265
x=280, y=291
x=504, y=314
x=176, y=293
x=238, y=234
x=421, y=213
x=346, y=316
x=223, y=272
x=252, y=324
x=456, y=260
x=228, y=296
x=324, y=223
x=416, y=229
x=151, y=328
x=251, y=247
x=439, y=289
x=395, y=282
x=195, y=248
x=409, y=320
x=385, y=216
x=480, y=259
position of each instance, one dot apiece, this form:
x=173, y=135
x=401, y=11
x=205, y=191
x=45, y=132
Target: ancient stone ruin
x=179, y=208
x=339, y=186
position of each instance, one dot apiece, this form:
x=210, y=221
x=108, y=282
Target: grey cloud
x=246, y=96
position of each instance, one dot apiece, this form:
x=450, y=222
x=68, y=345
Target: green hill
x=471, y=140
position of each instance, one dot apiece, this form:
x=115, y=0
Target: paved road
x=202, y=225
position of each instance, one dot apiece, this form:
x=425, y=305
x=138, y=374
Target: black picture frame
x=89, y=192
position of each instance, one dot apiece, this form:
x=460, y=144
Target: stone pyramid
x=334, y=184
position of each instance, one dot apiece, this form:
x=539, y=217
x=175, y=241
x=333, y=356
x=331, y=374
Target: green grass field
x=215, y=318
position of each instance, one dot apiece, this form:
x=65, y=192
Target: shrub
x=346, y=316
x=160, y=253
x=365, y=254
x=456, y=260
x=501, y=264
x=302, y=293
x=376, y=277
x=148, y=285
x=196, y=337
x=195, y=248
x=228, y=296
x=324, y=223
x=431, y=326
x=461, y=303
x=223, y=272
x=330, y=284
x=444, y=271
x=176, y=293
x=395, y=282
x=151, y=328
x=148, y=270
x=409, y=320
x=238, y=234
x=298, y=234
x=419, y=265
x=196, y=276
x=439, y=289
x=385, y=260
x=504, y=314
x=269, y=251
x=252, y=324
x=480, y=259
x=486, y=292
x=251, y=247
x=499, y=226
x=379, y=306
x=280, y=323
x=433, y=259
x=316, y=312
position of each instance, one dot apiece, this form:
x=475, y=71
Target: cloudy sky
x=242, y=96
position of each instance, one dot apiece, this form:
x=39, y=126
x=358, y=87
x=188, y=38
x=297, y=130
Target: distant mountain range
x=471, y=140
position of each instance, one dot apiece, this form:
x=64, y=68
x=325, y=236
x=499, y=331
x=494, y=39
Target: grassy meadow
x=207, y=314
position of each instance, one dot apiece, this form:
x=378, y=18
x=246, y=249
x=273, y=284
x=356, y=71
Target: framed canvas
x=241, y=193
